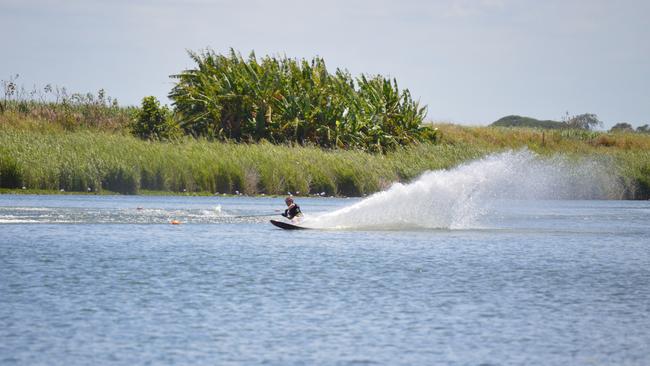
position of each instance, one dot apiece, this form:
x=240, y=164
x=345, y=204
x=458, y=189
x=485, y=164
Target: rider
x=292, y=210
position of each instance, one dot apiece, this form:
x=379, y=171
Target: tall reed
x=94, y=161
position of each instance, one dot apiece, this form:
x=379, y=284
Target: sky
x=470, y=61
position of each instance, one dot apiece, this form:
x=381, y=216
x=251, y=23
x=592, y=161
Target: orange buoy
x=175, y=222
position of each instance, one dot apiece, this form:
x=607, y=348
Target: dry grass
x=542, y=140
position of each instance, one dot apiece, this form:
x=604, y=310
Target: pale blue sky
x=471, y=62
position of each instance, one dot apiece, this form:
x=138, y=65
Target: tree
x=622, y=127
x=584, y=121
x=154, y=122
x=643, y=129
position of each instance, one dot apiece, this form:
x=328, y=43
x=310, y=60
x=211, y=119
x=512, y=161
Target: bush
x=520, y=121
x=622, y=127
x=154, y=122
x=298, y=101
x=585, y=121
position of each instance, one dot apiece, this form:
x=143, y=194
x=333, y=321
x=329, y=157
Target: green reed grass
x=96, y=161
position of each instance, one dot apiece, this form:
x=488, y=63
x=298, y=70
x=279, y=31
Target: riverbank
x=51, y=160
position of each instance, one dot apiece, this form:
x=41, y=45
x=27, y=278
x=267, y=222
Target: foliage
x=99, y=161
x=154, y=122
x=635, y=170
x=622, y=127
x=10, y=176
x=520, y=121
x=586, y=121
x=643, y=129
x=288, y=100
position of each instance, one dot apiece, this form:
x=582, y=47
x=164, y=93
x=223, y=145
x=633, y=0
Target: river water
x=108, y=280
x=509, y=260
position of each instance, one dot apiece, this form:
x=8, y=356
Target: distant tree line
x=586, y=121
x=520, y=121
x=626, y=127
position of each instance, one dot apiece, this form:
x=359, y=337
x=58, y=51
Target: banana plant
x=286, y=100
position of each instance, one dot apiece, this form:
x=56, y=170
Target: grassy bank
x=99, y=161
x=629, y=151
x=95, y=161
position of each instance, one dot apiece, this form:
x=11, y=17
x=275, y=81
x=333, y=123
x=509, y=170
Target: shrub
x=299, y=101
x=622, y=127
x=154, y=122
x=585, y=121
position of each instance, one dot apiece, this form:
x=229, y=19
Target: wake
x=459, y=197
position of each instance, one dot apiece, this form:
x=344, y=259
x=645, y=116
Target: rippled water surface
x=108, y=280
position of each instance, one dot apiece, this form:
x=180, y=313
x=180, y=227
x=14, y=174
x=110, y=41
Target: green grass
x=49, y=160
x=97, y=161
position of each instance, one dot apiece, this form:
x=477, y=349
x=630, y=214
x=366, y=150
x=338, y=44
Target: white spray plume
x=456, y=198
